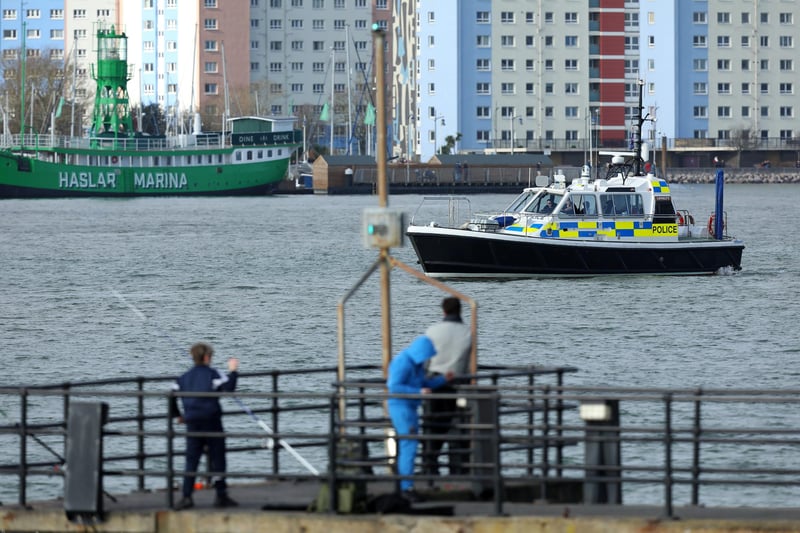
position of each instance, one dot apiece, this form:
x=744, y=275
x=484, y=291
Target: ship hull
x=33, y=177
x=453, y=253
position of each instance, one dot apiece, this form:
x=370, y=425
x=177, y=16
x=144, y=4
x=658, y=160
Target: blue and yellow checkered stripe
x=588, y=229
x=660, y=186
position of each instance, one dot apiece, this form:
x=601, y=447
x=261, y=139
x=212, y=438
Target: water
x=260, y=278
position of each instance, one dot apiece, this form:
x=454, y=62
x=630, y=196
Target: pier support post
x=603, y=458
x=83, y=484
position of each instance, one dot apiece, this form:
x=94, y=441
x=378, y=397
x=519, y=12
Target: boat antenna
x=638, y=162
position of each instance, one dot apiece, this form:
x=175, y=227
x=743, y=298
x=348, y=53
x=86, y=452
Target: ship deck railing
x=524, y=431
x=34, y=142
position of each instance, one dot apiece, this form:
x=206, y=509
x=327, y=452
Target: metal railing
x=522, y=427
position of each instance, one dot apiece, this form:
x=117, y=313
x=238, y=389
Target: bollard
x=602, y=452
x=83, y=484
x=484, y=415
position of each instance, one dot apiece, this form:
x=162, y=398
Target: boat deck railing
x=523, y=430
x=48, y=142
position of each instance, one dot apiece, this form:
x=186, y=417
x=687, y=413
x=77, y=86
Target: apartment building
x=497, y=75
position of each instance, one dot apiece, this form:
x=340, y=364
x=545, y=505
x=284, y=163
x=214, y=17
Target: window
x=571, y=64
x=482, y=112
x=571, y=135
x=530, y=66
x=571, y=17
x=507, y=88
x=483, y=64
x=296, y=23
x=700, y=88
x=208, y=46
x=786, y=41
x=548, y=41
x=763, y=88
x=482, y=17
x=276, y=46
x=785, y=18
x=651, y=41
x=700, y=111
x=482, y=88
x=318, y=66
x=56, y=14
x=724, y=88
x=699, y=41
x=79, y=13
x=431, y=88
x=482, y=136
x=786, y=88
x=297, y=45
x=339, y=24
x=548, y=64
x=786, y=65
x=745, y=17
x=745, y=64
x=745, y=111
x=723, y=18
x=571, y=41
x=723, y=64
x=507, y=41
x=507, y=17
x=482, y=41
x=651, y=64
x=745, y=41
x=786, y=135
x=764, y=17
x=507, y=65
x=56, y=34
x=571, y=88
x=318, y=46
x=210, y=88
x=764, y=111
x=631, y=20
x=275, y=24
x=529, y=88
x=318, y=24
x=745, y=88
x=723, y=41
x=318, y=88
x=763, y=64
x=548, y=17
x=787, y=111
x=631, y=43
x=699, y=17
x=764, y=41
x=571, y=112
x=631, y=66
x=255, y=66
x=529, y=42
x=548, y=112
x=548, y=88
x=276, y=66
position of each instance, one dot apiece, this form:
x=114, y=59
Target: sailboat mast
x=22, y=81
x=333, y=71
x=349, y=99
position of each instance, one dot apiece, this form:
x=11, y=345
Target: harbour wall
x=248, y=522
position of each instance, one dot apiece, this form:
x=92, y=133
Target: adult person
x=568, y=208
x=204, y=415
x=452, y=341
x=548, y=207
x=407, y=376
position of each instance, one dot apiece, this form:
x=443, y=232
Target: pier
x=544, y=455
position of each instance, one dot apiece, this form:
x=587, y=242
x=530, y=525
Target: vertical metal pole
x=545, y=442
x=170, y=452
x=275, y=448
x=140, y=436
x=696, y=450
x=23, y=446
x=379, y=41
x=560, y=422
x=668, y=455
x=333, y=496
x=498, y=480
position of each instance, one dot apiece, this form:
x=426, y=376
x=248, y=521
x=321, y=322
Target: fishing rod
x=43, y=444
x=270, y=442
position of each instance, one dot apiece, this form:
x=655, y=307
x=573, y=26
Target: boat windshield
x=544, y=202
x=520, y=202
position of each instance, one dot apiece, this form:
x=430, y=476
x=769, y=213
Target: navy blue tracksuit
x=204, y=415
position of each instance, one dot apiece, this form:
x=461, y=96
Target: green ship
x=115, y=161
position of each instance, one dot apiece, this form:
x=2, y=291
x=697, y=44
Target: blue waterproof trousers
x=405, y=421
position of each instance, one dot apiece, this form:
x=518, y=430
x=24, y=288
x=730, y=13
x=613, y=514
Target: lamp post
x=436, y=133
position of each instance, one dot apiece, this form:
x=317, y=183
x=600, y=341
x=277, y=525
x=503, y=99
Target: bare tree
x=743, y=139
x=47, y=82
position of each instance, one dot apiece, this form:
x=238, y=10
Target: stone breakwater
x=734, y=175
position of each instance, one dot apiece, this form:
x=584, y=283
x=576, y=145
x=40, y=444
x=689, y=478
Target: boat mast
x=333, y=71
x=22, y=61
x=349, y=99
x=637, y=133
x=111, y=106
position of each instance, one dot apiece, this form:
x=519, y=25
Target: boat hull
x=451, y=253
x=30, y=177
